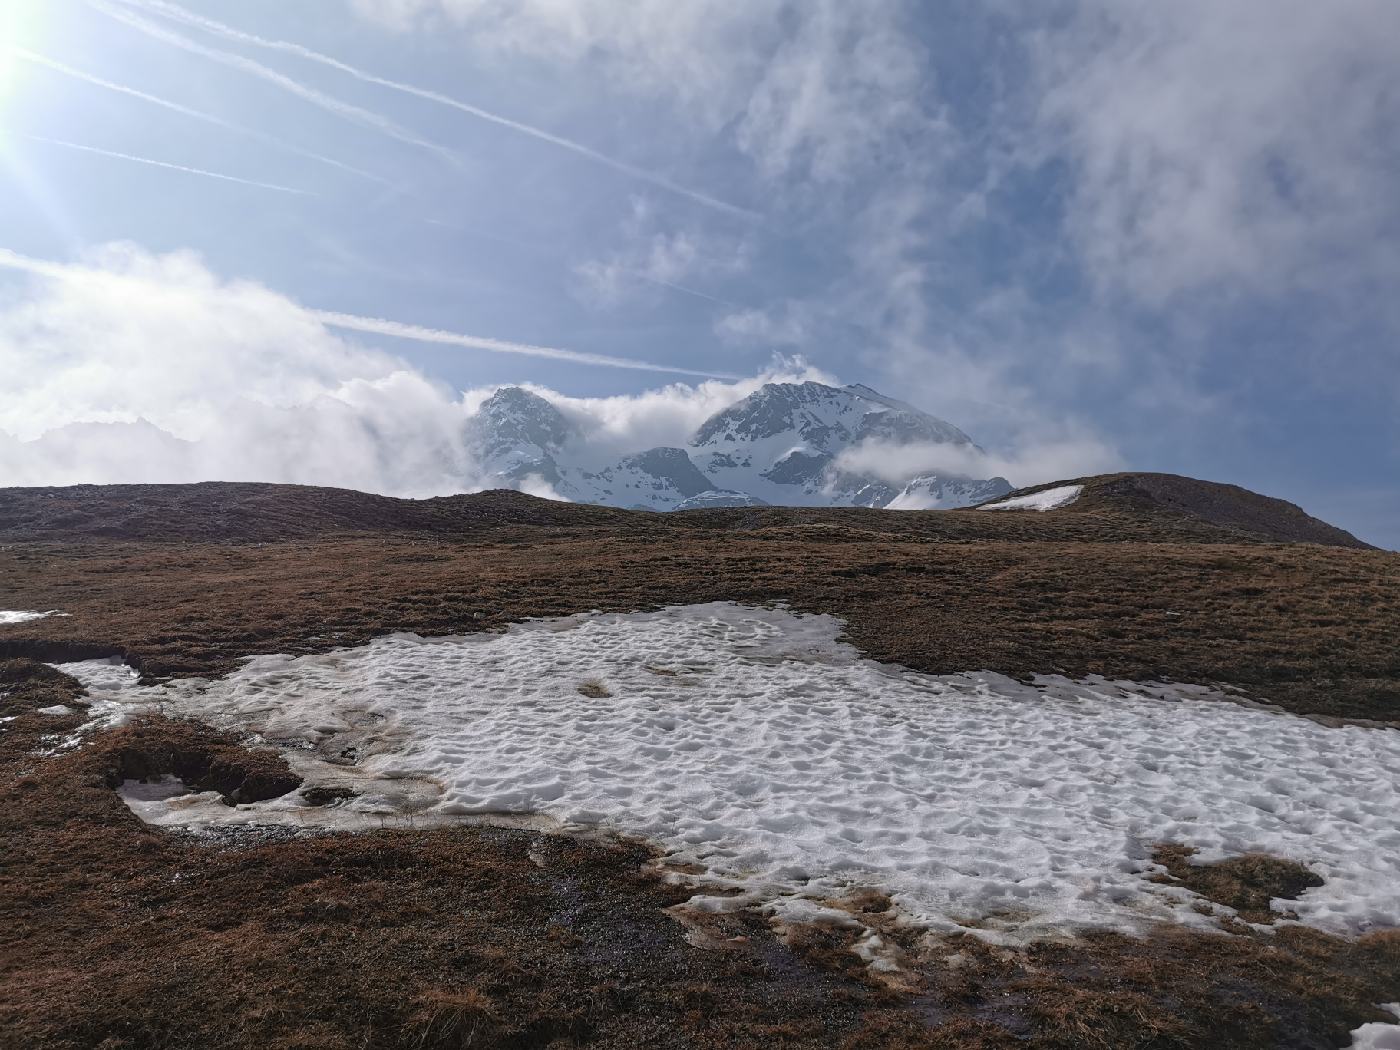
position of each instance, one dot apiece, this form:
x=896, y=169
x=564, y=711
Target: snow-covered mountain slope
x=783, y=445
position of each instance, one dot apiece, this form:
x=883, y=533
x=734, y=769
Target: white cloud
x=651, y=253
x=813, y=90
x=535, y=485
x=788, y=324
x=1049, y=457
x=1254, y=142
x=142, y=367
x=242, y=383
x=668, y=416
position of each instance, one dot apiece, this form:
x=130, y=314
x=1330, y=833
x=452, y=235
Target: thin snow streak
x=179, y=14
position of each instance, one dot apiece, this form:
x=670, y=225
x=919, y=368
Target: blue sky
x=1103, y=235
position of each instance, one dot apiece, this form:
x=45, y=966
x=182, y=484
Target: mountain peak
x=514, y=417
x=784, y=444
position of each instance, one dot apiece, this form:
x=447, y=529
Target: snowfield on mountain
x=785, y=444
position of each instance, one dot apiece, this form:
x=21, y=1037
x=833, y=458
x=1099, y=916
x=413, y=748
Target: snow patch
x=1045, y=499
x=24, y=616
x=56, y=709
x=1377, y=1035
x=764, y=753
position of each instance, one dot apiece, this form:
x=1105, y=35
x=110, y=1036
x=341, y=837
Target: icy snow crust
x=757, y=745
x=1045, y=499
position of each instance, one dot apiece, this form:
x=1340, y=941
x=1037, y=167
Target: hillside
x=511, y=772
x=1113, y=583
x=1111, y=508
x=1172, y=497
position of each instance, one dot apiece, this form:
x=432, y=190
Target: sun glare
x=21, y=25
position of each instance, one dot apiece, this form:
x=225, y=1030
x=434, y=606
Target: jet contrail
x=179, y=14
x=11, y=260
x=176, y=107
x=172, y=167
x=346, y=110
x=399, y=330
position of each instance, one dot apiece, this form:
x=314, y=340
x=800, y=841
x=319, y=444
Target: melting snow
x=1045, y=499
x=1376, y=1035
x=22, y=616
x=755, y=744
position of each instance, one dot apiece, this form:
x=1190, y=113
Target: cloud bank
x=136, y=367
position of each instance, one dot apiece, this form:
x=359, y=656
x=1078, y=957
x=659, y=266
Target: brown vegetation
x=1313, y=629
x=117, y=935
x=1249, y=884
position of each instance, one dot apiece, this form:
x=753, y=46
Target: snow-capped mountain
x=783, y=444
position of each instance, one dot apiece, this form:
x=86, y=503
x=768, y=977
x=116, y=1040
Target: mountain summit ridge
x=783, y=444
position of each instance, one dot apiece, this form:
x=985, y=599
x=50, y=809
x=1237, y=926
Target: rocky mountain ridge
x=787, y=443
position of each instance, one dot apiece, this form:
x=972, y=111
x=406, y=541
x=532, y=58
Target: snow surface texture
x=21, y=616
x=1377, y=1035
x=757, y=745
x=1045, y=499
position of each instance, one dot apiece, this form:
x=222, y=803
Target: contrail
x=179, y=14
x=12, y=260
x=399, y=330
x=172, y=167
x=176, y=107
x=346, y=110
x=682, y=289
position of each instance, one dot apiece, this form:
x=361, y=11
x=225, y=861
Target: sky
x=1093, y=234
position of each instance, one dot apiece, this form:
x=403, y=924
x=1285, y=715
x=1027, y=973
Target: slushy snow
x=1045, y=499
x=757, y=745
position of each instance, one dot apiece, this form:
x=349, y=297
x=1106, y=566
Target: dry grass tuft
x=594, y=689
x=455, y=1020
x=1248, y=884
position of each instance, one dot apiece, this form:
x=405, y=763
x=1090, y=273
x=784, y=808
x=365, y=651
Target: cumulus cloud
x=149, y=367
x=141, y=367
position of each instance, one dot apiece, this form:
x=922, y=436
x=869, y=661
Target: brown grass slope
x=117, y=936
x=1114, y=508
x=1172, y=498
x=1111, y=588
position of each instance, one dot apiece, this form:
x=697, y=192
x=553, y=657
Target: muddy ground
x=116, y=935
